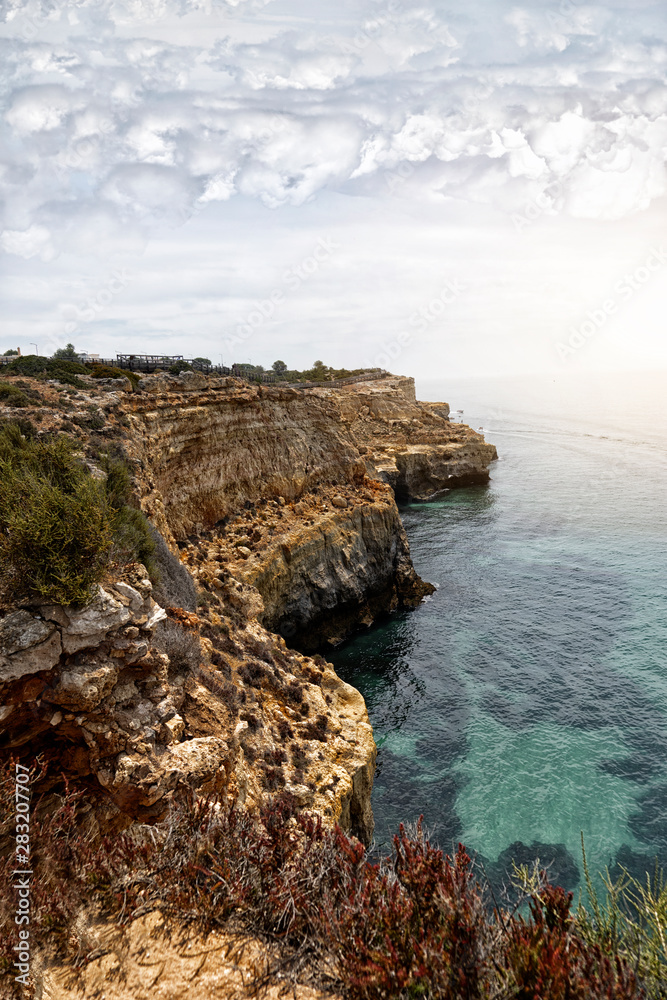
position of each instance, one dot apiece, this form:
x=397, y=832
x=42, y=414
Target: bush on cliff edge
x=59, y=526
x=416, y=927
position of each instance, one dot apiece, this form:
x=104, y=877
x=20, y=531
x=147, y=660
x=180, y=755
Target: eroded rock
x=82, y=687
x=87, y=627
x=27, y=645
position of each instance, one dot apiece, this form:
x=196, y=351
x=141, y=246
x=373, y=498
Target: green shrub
x=25, y=426
x=55, y=523
x=32, y=364
x=628, y=919
x=18, y=393
x=59, y=527
x=133, y=539
x=55, y=368
x=107, y=371
x=92, y=421
x=66, y=379
x=178, y=367
x=12, y=395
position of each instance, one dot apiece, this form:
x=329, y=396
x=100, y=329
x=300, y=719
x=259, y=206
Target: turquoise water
x=527, y=700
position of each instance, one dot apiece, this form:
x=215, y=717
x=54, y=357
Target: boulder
x=27, y=645
x=156, y=614
x=136, y=601
x=89, y=626
x=202, y=762
x=21, y=630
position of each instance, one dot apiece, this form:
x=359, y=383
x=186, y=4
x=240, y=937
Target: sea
x=524, y=705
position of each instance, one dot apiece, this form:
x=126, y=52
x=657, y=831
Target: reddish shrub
x=316, y=730
x=414, y=927
x=546, y=959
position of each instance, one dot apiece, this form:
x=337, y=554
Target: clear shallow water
x=527, y=700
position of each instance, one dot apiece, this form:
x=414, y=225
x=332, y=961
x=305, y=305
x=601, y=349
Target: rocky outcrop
x=410, y=445
x=87, y=685
x=209, y=446
x=140, y=704
x=275, y=518
x=336, y=558
x=215, y=453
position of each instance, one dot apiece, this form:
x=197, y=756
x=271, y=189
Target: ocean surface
x=526, y=701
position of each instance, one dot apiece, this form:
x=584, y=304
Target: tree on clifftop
x=68, y=352
x=319, y=372
x=279, y=367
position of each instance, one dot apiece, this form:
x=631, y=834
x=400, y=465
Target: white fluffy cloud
x=207, y=145
x=147, y=109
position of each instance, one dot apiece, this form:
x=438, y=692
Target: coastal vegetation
x=110, y=371
x=319, y=372
x=61, y=527
x=62, y=370
x=67, y=362
x=418, y=924
x=17, y=394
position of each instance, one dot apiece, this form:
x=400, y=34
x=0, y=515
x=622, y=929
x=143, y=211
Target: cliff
x=276, y=528
x=275, y=520
x=141, y=701
x=271, y=481
x=410, y=445
x=209, y=446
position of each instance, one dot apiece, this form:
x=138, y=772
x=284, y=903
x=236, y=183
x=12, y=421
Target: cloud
x=145, y=110
x=32, y=242
x=39, y=108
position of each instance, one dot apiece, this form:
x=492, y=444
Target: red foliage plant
x=545, y=957
x=415, y=926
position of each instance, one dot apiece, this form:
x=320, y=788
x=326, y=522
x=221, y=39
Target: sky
x=462, y=188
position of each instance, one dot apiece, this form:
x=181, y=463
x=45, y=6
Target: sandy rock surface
x=149, y=959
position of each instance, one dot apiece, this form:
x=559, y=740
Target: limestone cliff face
x=276, y=519
x=210, y=445
x=410, y=445
x=337, y=557
x=137, y=703
x=215, y=453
